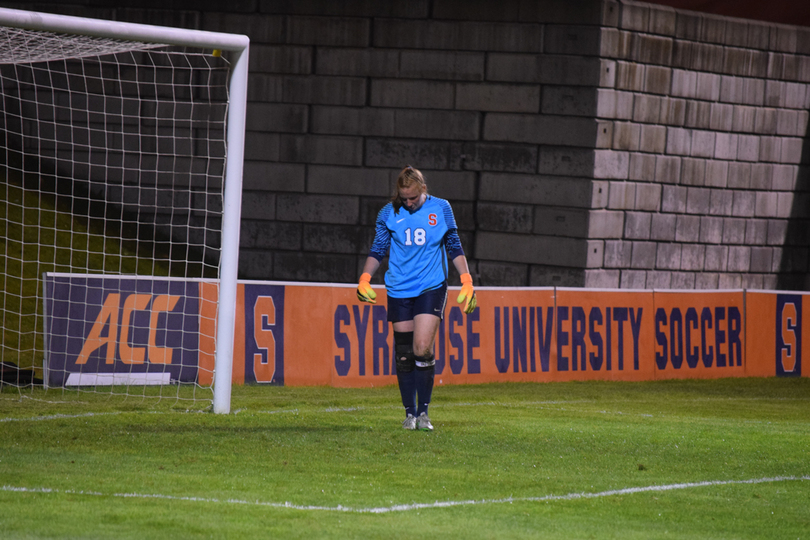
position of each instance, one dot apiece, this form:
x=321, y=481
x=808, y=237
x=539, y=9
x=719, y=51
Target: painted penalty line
x=417, y=506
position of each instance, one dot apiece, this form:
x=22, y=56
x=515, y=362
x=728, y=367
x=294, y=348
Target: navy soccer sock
x=424, y=383
x=407, y=389
x=406, y=375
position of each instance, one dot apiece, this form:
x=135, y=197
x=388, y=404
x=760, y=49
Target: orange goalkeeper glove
x=467, y=293
x=364, y=291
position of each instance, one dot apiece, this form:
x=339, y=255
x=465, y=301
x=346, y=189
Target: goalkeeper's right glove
x=364, y=291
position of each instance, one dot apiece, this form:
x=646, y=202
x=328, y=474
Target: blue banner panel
x=788, y=335
x=121, y=330
x=264, y=334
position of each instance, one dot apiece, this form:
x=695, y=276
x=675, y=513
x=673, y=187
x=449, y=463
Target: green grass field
x=674, y=459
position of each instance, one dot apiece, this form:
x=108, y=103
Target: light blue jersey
x=417, y=242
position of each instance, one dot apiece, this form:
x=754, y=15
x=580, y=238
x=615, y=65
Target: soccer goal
x=122, y=153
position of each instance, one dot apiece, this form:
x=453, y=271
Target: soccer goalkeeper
x=417, y=228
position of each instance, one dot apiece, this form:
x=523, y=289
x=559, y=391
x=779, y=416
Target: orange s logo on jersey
x=433, y=219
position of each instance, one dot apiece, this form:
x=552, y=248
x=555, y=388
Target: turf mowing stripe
x=418, y=506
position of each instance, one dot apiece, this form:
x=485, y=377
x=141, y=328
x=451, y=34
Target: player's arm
x=379, y=248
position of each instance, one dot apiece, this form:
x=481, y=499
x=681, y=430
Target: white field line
x=413, y=506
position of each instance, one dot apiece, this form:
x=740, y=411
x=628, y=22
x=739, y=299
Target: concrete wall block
x=787, y=123
x=333, y=31
x=621, y=195
x=698, y=114
x=766, y=204
x=531, y=249
x=614, y=104
x=653, y=139
x=643, y=255
x=635, y=17
x=684, y=83
x=642, y=167
x=667, y=169
x=260, y=205
x=607, y=73
x=795, y=95
x=646, y=108
x=596, y=254
x=365, y=121
x=739, y=175
x=602, y=279
x=739, y=258
x=761, y=259
x=568, y=100
x=543, y=129
x=611, y=44
x=637, y=225
x=658, y=279
x=360, y=181
x=743, y=204
x=706, y=281
x=693, y=172
x=555, y=221
x=784, y=177
x=283, y=117
x=504, y=217
x=761, y=175
x=453, y=125
x=314, y=267
x=394, y=153
x=753, y=92
x=648, y=197
x=605, y=224
x=262, y=234
x=707, y=86
x=682, y=280
x=545, y=276
x=626, y=136
x=693, y=257
x=570, y=39
x=698, y=200
x=261, y=146
x=722, y=202
x=610, y=164
x=770, y=149
x=453, y=185
x=599, y=193
x=459, y=66
x=729, y=281
x=348, y=239
x=703, y=143
x=748, y=148
x=566, y=161
x=673, y=111
x=765, y=121
x=280, y=59
x=412, y=94
x=721, y=117
x=618, y=254
x=498, y=157
x=726, y=145
x=756, y=232
x=733, y=231
x=657, y=80
x=563, y=70
x=268, y=176
x=716, y=259
x=321, y=149
x=673, y=199
x=318, y=208
x=503, y=274
x=777, y=232
x=668, y=256
x=716, y=173
x=687, y=228
x=711, y=231
x=357, y=62
x=498, y=97
x=630, y=76
x=662, y=227
x=743, y=119
x=633, y=279
x=784, y=38
x=745, y=62
x=679, y=141
x=535, y=189
x=457, y=35
x=792, y=150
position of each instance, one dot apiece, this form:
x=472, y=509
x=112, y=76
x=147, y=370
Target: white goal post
x=58, y=45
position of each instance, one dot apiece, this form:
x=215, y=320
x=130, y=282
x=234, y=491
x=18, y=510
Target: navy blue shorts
x=432, y=302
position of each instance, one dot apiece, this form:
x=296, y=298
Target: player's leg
x=428, y=311
x=406, y=372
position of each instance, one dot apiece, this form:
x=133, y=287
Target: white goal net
x=121, y=175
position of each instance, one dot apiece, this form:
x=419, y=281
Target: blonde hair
x=407, y=178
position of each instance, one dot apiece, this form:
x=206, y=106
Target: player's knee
x=425, y=362
x=403, y=349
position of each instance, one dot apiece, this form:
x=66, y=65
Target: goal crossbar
x=238, y=47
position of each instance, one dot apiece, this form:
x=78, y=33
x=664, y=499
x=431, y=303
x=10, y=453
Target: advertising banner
x=128, y=330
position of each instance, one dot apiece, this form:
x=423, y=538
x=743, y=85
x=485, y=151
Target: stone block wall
x=708, y=159
x=599, y=143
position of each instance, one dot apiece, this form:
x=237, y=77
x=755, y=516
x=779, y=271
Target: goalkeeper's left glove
x=467, y=293
x=364, y=291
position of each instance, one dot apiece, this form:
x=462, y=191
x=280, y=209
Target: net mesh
x=113, y=158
